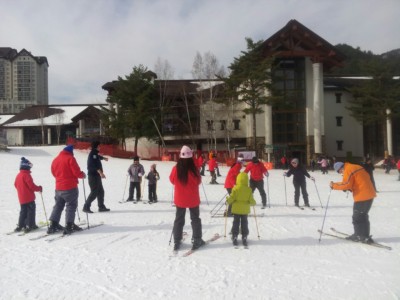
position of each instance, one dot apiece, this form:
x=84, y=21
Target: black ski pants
x=27, y=215
x=361, y=218
x=96, y=191
x=180, y=222
x=242, y=221
x=259, y=185
x=153, y=192
x=302, y=185
x=132, y=187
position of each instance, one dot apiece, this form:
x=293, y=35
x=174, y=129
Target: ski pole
x=218, y=203
x=204, y=190
x=323, y=222
x=255, y=218
x=126, y=183
x=142, y=192
x=44, y=208
x=269, y=197
x=226, y=217
x=318, y=194
x=284, y=180
x=218, y=210
x=84, y=195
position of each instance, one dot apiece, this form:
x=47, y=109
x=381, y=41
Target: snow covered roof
x=5, y=118
x=50, y=115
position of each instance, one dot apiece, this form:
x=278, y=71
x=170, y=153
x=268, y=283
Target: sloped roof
x=52, y=115
x=11, y=54
x=296, y=40
x=4, y=118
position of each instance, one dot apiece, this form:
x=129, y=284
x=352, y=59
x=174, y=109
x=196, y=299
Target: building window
x=236, y=124
x=210, y=125
x=223, y=124
x=339, y=121
x=339, y=145
x=338, y=97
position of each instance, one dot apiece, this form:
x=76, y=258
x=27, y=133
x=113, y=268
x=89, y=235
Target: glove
x=284, y=174
x=40, y=188
x=312, y=178
x=267, y=174
x=83, y=175
x=140, y=174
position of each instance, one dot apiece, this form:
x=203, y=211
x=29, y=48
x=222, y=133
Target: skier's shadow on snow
x=29, y=152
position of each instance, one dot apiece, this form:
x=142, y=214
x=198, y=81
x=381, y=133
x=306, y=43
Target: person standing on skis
x=186, y=178
x=257, y=172
x=299, y=181
x=357, y=180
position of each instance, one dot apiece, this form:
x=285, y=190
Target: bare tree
x=206, y=69
x=59, y=120
x=41, y=114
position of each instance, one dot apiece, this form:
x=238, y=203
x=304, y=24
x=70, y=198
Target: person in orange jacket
x=357, y=180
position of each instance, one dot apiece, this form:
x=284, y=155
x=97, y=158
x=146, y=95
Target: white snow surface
x=129, y=257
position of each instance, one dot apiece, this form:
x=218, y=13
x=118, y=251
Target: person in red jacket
x=66, y=171
x=26, y=189
x=398, y=168
x=257, y=172
x=230, y=180
x=212, y=167
x=186, y=178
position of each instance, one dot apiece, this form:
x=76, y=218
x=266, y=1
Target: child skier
x=152, y=177
x=26, y=196
x=299, y=181
x=241, y=199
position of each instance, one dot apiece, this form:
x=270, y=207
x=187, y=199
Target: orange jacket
x=356, y=179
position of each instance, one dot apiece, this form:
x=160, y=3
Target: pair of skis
x=175, y=253
x=20, y=233
x=341, y=235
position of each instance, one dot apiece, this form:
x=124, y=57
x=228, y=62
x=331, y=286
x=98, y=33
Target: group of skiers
x=67, y=172
x=186, y=178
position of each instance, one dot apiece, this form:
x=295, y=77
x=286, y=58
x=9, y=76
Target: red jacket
x=185, y=196
x=398, y=165
x=66, y=171
x=257, y=171
x=212, y=164
x=25, y=187
x=233, y=172
x=199, y=161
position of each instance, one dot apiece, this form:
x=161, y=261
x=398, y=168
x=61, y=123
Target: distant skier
x=153, y=176
x=136, y=172
x=299, y=181
x=357, y=180
x=241, y=199
x=26, y=196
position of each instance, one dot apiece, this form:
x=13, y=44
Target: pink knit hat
x=186, y=152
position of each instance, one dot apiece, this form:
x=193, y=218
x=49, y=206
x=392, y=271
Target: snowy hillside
x=129, y=256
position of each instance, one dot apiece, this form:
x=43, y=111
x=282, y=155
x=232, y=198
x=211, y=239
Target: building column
x=48, y=136
x=318, y=108
x=389, y=132
x=268, y=129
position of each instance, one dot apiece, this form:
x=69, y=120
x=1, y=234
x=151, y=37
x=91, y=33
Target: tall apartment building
x=23, y=80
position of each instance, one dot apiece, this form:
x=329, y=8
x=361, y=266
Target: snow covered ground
x=129, y=256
